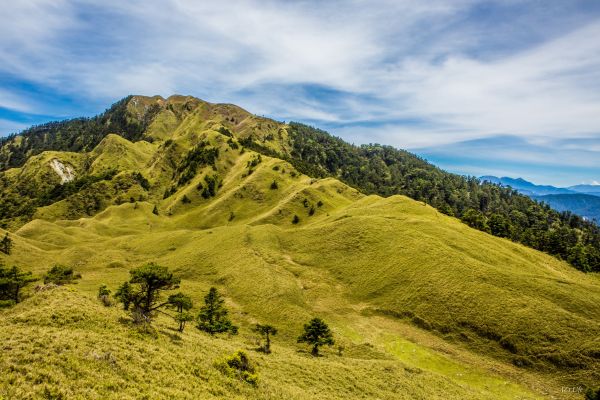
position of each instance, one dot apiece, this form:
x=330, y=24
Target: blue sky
x=507, y=87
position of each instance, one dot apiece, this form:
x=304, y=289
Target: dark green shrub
x=104, y=295
x=61, y=275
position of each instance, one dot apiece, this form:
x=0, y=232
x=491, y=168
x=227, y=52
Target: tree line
x=142, y=296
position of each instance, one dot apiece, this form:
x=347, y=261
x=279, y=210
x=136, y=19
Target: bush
x=61, y=275
x=592, y=394
x=239, y=366
x=104, y=295
x=12, y=282
x=274, y=185
x=295, y=220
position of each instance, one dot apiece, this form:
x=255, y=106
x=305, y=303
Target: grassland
x=423, y=306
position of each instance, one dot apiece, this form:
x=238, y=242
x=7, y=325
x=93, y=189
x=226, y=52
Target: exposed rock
x=66, y=172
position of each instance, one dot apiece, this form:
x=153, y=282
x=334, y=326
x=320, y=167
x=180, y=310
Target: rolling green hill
x=373, y=169
x=423, y=305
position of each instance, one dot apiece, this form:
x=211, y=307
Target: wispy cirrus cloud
x=418, y=75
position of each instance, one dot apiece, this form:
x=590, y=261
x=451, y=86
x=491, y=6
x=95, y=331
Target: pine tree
x=266, y=331
x=144, y=288
x=317, y=334
x=6, y=244
x=182, y=304
x=213, y=315
x=12, y=281
x=124, y=294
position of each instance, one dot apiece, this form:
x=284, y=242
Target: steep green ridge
x=491, y=208
x=425, y=306
x=79, y=134
x=373, y=169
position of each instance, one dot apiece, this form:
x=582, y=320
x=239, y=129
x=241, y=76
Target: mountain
x=579, y=203
x=288, y=223
x=372, y=169
x=582, y=200
x=526, y=187
x=586, y=189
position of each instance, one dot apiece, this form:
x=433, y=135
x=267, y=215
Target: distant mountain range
x=583, y=200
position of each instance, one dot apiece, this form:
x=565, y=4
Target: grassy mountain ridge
x=376, y=169
x=424, y=305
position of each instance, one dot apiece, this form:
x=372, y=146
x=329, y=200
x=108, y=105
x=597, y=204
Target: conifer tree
x=12, y=281
x=182, y=304
x=144, y=288
x=6, y=244
x=213, y=315
x=266, y=331
x=317, y=334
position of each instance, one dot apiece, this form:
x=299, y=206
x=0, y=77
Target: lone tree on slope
x=266, y=331
x=317, y=334
x=212, y=317
x=182, y=304
x=145, y=286
x=12, y=280
x=6, y=244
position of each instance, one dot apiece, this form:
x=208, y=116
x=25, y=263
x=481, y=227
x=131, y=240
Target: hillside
x=423, y=305
x=372, y=169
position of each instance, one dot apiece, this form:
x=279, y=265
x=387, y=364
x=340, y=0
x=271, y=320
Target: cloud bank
x=434, y=76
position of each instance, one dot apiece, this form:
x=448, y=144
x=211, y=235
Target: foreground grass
x=63, y=344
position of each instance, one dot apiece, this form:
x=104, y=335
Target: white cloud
x=385, y=61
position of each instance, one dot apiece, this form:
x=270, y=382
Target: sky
x=504, y=87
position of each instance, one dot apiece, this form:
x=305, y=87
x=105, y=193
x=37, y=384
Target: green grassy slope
x=424, y=306
x=379, y=270
x=73, y=347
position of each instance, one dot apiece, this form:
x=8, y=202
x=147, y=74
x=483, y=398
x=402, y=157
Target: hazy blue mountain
x=582, y=200
x=593, y=190
x=528, y=188
x=582, y=204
